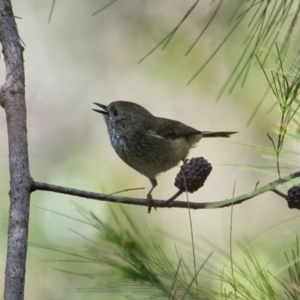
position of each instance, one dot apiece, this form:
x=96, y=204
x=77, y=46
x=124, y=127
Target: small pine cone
x=293, y=197
x=195, y=172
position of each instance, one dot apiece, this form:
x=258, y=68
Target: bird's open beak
x=104, y=107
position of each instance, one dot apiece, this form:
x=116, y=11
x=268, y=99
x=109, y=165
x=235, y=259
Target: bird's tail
x=225, y=134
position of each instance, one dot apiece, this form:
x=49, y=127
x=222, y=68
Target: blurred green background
x=78, y=59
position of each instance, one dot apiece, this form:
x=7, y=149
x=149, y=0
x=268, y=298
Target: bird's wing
x=170, y=129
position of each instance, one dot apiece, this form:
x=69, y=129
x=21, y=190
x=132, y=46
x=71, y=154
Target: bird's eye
x=115, y=113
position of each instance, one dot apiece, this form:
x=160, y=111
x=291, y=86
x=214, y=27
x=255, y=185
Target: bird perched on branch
x=149, y=144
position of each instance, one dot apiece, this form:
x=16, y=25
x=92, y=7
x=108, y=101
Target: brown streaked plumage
x=149, y=144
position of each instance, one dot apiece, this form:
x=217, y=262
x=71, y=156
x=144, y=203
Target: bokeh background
x=78, y=59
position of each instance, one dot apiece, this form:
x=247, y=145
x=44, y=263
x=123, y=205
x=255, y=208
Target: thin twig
x=127, y=190
x=192, y=232
x=272, y=186
x=280, y=194
x=175, y=196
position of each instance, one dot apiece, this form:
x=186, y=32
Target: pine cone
x=194, y=173
x=293, y=197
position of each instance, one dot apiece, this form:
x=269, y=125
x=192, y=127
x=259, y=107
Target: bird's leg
x=149, y=196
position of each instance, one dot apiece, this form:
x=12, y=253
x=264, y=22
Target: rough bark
x=12, y=99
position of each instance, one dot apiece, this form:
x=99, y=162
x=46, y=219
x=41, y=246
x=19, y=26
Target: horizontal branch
x=162, y=203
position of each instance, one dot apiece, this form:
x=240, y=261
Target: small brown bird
x=149, y=144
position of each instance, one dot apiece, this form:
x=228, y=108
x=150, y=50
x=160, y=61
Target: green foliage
x=285, y=85
x=130, y=261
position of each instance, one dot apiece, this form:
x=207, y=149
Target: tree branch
x=12, y=98
x=272, y=186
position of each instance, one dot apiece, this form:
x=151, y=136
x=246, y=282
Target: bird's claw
x=150, y=203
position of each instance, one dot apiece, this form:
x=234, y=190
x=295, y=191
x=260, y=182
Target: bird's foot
x=150, y=203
